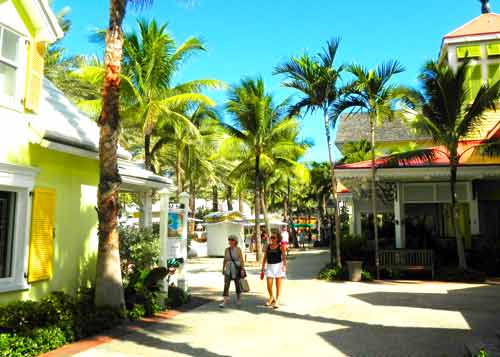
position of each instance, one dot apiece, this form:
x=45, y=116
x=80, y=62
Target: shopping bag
x=244, y=285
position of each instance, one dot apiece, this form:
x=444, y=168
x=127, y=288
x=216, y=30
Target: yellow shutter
x=470, y=51
x=42, y=235
x=493, y=73
x=493, y=49
x=474, y=80
x=35, y=75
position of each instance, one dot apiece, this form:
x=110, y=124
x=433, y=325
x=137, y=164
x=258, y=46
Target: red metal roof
x=440, y=159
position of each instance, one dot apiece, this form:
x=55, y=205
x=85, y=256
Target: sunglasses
x=231, y=240
x=274, y=237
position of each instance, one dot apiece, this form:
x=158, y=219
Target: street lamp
x=330, y=210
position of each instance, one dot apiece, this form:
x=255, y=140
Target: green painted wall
x=75, y=180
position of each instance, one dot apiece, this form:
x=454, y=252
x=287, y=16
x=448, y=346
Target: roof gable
x=484, y=24
x=39, y=19
x=356, y=127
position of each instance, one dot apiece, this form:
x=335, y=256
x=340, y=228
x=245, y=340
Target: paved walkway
x=321, y=319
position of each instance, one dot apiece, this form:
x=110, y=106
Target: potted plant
x=352, y=250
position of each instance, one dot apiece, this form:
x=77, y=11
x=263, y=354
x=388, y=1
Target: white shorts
x=275, y=271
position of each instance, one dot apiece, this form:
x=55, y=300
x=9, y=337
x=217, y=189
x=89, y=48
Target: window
x=16, y=183
x=7, y=220
x=9, y=64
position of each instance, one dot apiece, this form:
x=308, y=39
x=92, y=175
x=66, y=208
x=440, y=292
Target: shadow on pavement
x=163, y=346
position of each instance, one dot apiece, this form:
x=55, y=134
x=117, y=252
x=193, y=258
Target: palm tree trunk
x=178, y=170
x=192, y=206
x=334, y=193
x=192, y=197
x=229, y=197
x=258, y=243
x=264, y=209
x=240, y=202
x=462, y=263
x=109, y=288
x=147, y=152
x=287, y=200
x=215, y=198
x=374, y=196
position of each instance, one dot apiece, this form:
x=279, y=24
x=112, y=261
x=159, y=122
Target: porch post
x=164, y=198
x=357, y=218
x=352, y=217
x=473, y=210
x=399, y=216
x=146, y=219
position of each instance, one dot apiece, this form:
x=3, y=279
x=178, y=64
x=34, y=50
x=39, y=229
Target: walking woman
x=275, y=258
x=233, y=268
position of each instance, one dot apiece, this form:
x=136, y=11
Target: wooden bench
x=407, y=259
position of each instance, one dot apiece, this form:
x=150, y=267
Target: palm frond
x=419, y=157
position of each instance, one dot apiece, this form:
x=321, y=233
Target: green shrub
x=335, y=273
x=139, y=249
x=177, y=297
x=136, y=312
x=143, y=288
x=366, y=276
x=331, y=273
x=29, y=328
x=38, y=341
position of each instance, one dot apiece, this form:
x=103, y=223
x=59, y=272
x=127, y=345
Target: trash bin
x=355, y=267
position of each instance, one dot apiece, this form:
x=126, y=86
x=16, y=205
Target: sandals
x=269, y=303
x=275, y=305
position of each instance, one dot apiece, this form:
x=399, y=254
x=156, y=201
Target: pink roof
x=481, y=25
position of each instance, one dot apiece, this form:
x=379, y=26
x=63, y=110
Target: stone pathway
x=404, y=318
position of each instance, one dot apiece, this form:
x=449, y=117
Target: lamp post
x=330, y=210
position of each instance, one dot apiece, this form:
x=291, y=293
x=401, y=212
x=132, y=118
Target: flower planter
x=354, y=267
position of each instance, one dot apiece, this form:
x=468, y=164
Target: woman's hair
x=278, y=236
x=233, y=237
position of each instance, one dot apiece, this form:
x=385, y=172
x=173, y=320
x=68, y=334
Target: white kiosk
x=173, y=236
x=219, y=226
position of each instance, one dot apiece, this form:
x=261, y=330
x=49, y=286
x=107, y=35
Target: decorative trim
x=19, y=179
x=423, y=173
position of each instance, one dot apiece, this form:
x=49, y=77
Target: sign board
x=176, y=220
x=173, y=205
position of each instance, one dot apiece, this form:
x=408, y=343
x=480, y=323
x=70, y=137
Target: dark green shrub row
x=335, y=273
x=40, y=340
x=28, y=328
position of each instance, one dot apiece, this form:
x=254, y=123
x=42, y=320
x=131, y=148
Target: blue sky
x=249, y=38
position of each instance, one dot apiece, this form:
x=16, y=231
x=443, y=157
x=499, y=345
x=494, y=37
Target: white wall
x=217, y=237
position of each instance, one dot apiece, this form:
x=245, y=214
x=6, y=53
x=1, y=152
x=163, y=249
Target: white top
x=284, y=236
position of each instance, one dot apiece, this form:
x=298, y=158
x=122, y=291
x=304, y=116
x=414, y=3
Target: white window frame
x=17, y=102
x=21, y=180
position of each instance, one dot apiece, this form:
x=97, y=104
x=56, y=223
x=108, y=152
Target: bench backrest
x=406, y=257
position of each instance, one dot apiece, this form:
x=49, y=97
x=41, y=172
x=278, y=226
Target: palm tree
x=109, y=288
x=446, y=111
x=151, y=59
x=257, y=122
x=356, y=151
x=372, y=92
x=316, y=78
